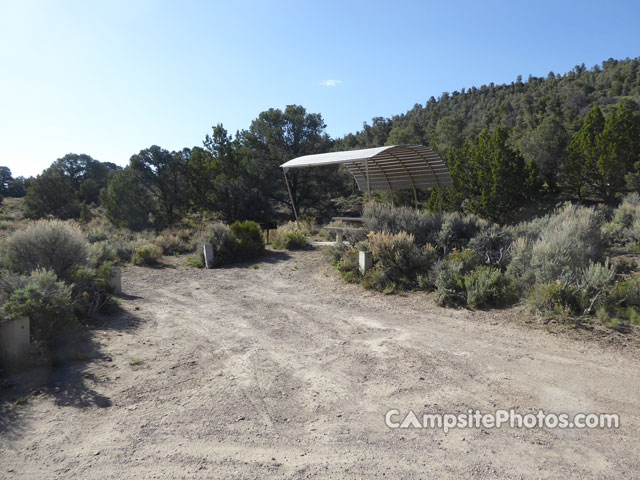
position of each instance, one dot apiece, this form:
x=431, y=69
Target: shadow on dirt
x=63, y=378
x=274, y=256
x=270, y=256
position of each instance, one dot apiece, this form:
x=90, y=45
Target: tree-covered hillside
x=522, y=107
x=578, y=133
x=574, y=136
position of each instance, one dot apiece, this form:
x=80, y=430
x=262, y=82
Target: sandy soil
x=285, y=371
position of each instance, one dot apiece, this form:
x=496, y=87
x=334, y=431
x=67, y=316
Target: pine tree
x=583, y=154
x=603, y=152
x=619, y=148
x=493, y=177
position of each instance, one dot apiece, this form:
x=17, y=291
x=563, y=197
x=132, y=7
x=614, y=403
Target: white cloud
x=330, y=83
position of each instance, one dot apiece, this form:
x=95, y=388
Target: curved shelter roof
x=397, y=167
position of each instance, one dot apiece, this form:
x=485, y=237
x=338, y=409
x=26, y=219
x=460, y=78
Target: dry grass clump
x=290, y=237
x=146, y=255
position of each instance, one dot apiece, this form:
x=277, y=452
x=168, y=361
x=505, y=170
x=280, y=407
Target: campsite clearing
x=285, y=371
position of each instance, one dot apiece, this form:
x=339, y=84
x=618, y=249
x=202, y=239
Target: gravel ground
x=284, y=371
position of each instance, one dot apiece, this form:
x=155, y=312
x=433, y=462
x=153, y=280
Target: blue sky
x=109, y=78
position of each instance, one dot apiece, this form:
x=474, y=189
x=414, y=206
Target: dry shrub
x=172, y=244
x=241, y=241
x=48, y=244
x=398, y=261
x=570, y=241
x=457, y=230
x=625, y=225
x=424, y=226
x=289, y=239
x=101, y=252
x=147, y=255
x=565, y=244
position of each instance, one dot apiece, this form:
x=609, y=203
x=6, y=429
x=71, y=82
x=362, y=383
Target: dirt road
x=285, y=371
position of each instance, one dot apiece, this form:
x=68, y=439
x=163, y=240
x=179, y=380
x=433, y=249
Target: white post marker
x=116, y=280
x=15, y=339
x=365, y=261
x=208, y=255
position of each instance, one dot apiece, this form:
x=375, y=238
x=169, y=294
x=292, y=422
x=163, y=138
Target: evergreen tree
x=163, y=175
x=619, y=148
x=546, y=146
x=491, y=177
x=51, y=194
x=584, y=153
x=126, y=204
x=603, y=152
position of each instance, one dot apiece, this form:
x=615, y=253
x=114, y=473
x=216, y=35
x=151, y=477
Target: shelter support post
x=293, y=204
x=366, y=168
x=415, y=196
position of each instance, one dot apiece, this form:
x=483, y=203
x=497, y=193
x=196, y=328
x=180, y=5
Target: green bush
x=47, y=244
x=449, y=283
x=489, y=287
x=618, y=305
x=250, y=243
x=556, y=298
x=425, y=283
x=633, y=315
x=103, y=274
x=398, y=263
x=46, y=301
x=146, y=255
x=461, y=280
x=626, y=292
x=604, y=317
x=348, y=265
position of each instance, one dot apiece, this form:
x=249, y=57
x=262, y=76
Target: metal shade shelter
x=398, y=167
